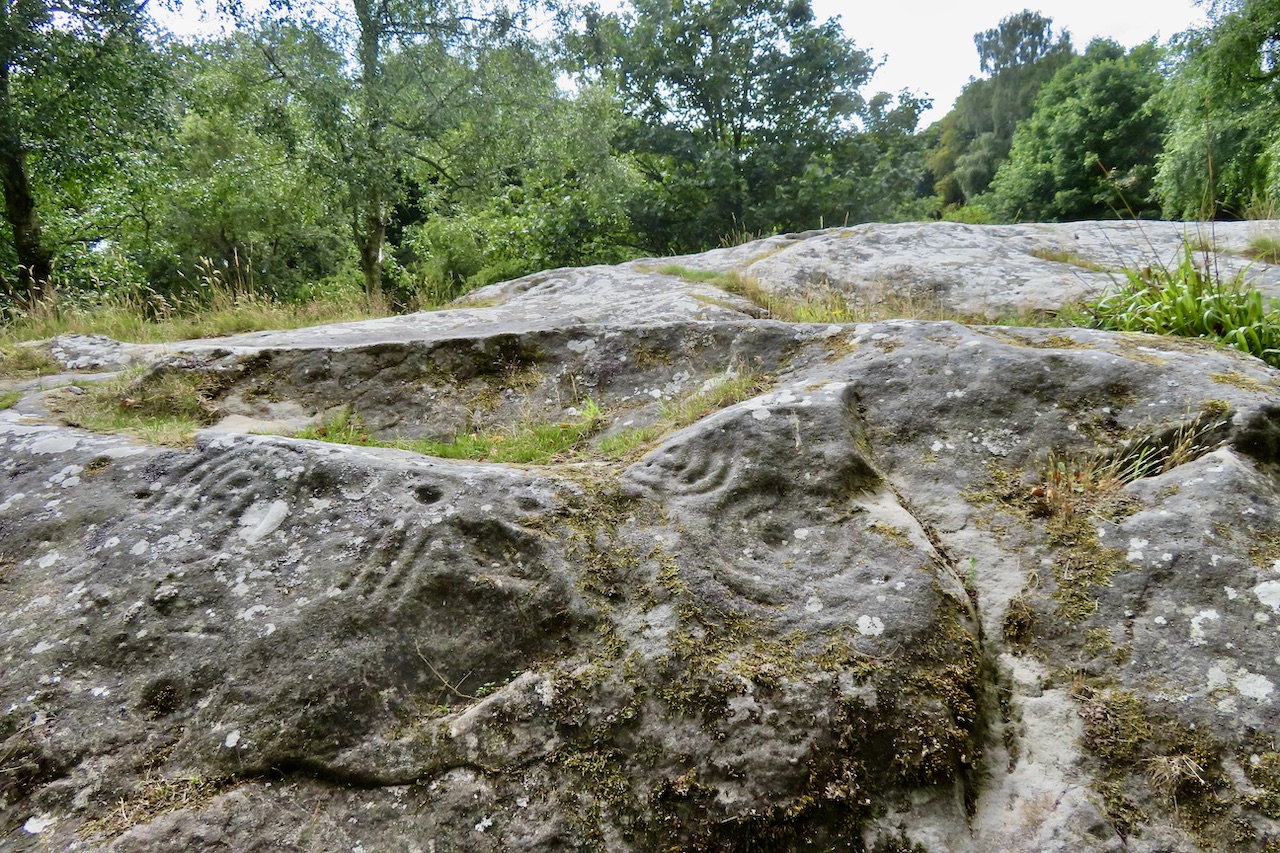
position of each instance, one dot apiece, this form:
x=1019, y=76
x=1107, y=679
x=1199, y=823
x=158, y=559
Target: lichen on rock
x=913, y=585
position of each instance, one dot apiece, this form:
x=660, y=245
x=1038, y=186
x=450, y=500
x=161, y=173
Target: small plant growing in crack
x=1073, y=484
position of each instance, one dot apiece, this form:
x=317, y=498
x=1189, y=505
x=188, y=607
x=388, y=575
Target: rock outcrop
x=929, y=586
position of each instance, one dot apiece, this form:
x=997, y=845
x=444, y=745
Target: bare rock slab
x=931, y=587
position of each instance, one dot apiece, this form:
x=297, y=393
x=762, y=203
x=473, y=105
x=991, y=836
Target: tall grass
x=215, y=306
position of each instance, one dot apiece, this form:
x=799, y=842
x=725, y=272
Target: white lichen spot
x=1214, y=559
x=546, y=690
x=332, y=592
x=1232, y=595
x=140, y=548
x=1135, y=549
x=581, y=345
x=1166, y=557
x=801, y=533
x=1268, y=592
x=484, y=824
x=42, y=646
x=49, y=559
x=253, y=612
x=813, y=605
x=262, y=519
x=232, y=740
x=1197, y=625
x=67, y=477
x=761, y=413
x=100, y=692
x=870, y=626
x=37, y=824
x=1216, y=678
x=54, y=444
x=1160, y=620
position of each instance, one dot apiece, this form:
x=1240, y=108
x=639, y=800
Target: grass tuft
x=1191, y=301
x=158, y=408
x=1061, y=256
x=26, y=362
x=1265, y=248
x=154, y=797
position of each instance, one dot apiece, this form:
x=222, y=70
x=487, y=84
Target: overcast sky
x=930, y=42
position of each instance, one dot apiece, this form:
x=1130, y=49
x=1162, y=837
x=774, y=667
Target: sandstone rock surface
x=932, y=586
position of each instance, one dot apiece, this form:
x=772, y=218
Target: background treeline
x=410, y=150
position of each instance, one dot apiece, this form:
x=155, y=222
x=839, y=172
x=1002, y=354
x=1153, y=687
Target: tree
x=1089, y=149
x=411, y=80
x=240, y=183
x=77, y=83
x=1021, y=55
x=732, y=101
x=1222, y=152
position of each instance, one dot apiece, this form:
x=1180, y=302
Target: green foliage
x=1021, y=55
x=1191, y=301
x=80, y=89
x=1222, y=153
x=239, y=183
x=1089, y=148
x=744, y=118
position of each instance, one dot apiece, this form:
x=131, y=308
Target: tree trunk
x=371, y=234
x=20, y=206
x=371, y=242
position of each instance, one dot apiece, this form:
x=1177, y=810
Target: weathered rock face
x=938, y=587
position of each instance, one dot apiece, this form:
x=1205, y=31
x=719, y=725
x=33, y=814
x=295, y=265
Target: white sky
x=930, y=42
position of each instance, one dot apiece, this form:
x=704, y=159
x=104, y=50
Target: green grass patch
x=696, y=406
x=542, y=443
x=164, y=409
x=8, y=399
x=26, y=362
x=527, y=443
x=626, y=442
x=1265, y=248
x=1061, y=256
x=1191, y=301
